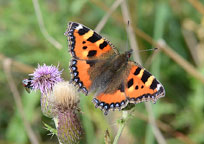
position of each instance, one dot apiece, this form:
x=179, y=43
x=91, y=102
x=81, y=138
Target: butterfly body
x=96, y=66
x=107, y=75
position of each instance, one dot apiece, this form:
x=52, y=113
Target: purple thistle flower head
x=45, y=77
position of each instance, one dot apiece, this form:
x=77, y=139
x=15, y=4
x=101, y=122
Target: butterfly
x=97, y=66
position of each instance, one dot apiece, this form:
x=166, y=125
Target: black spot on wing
x=154, y=84
x=137, y=71
x=84, y=47
x=130, y=83
x=104, y=44
x=136, y=87
x=145, y=76
x=95, y=37
x=83, y=31
x=92, y=53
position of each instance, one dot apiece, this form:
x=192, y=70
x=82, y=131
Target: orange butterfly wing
x=79, y=75
x=106, y=102
x=142, y=86
x=138, y=86
x=85, y=46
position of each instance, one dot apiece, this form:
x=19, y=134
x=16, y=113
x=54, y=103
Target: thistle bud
x=65, y=100
x=47, y=107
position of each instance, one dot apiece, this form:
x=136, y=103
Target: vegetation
x=32, y=35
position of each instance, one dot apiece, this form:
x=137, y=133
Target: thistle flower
x=65, y=100
x=45, y=77
x=59, y=100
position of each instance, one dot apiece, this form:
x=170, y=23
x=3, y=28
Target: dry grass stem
x=107, y=15
x=133, y=43
x=130, y=32
x=197, y=5
x=42, y=26
x=106, y=8
x=191, y=42
x=17, y=99
x=165, y=127
x=181, y=61
x=157, y=133
x=17, y=66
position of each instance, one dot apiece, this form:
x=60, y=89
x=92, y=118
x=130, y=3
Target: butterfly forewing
x=86, y=44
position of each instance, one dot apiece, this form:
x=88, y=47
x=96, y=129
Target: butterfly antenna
x=127, y=44
x=152, y=49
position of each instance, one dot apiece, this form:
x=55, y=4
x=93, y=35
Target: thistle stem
x=121, y=126
x=56, y=125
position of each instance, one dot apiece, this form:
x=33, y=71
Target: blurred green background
x=179, y=115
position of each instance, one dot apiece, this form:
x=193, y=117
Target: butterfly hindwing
x=86, y=44
x=142, y=86
x=138, y=86
x=113, y=101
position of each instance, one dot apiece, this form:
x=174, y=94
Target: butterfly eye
x=129, y=53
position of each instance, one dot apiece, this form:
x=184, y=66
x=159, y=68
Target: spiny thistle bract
x=65, y=100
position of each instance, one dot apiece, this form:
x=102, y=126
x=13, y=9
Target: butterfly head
x=123, y=58
x=128, y=53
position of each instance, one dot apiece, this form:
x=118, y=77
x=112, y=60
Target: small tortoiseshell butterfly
x=97, y=66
